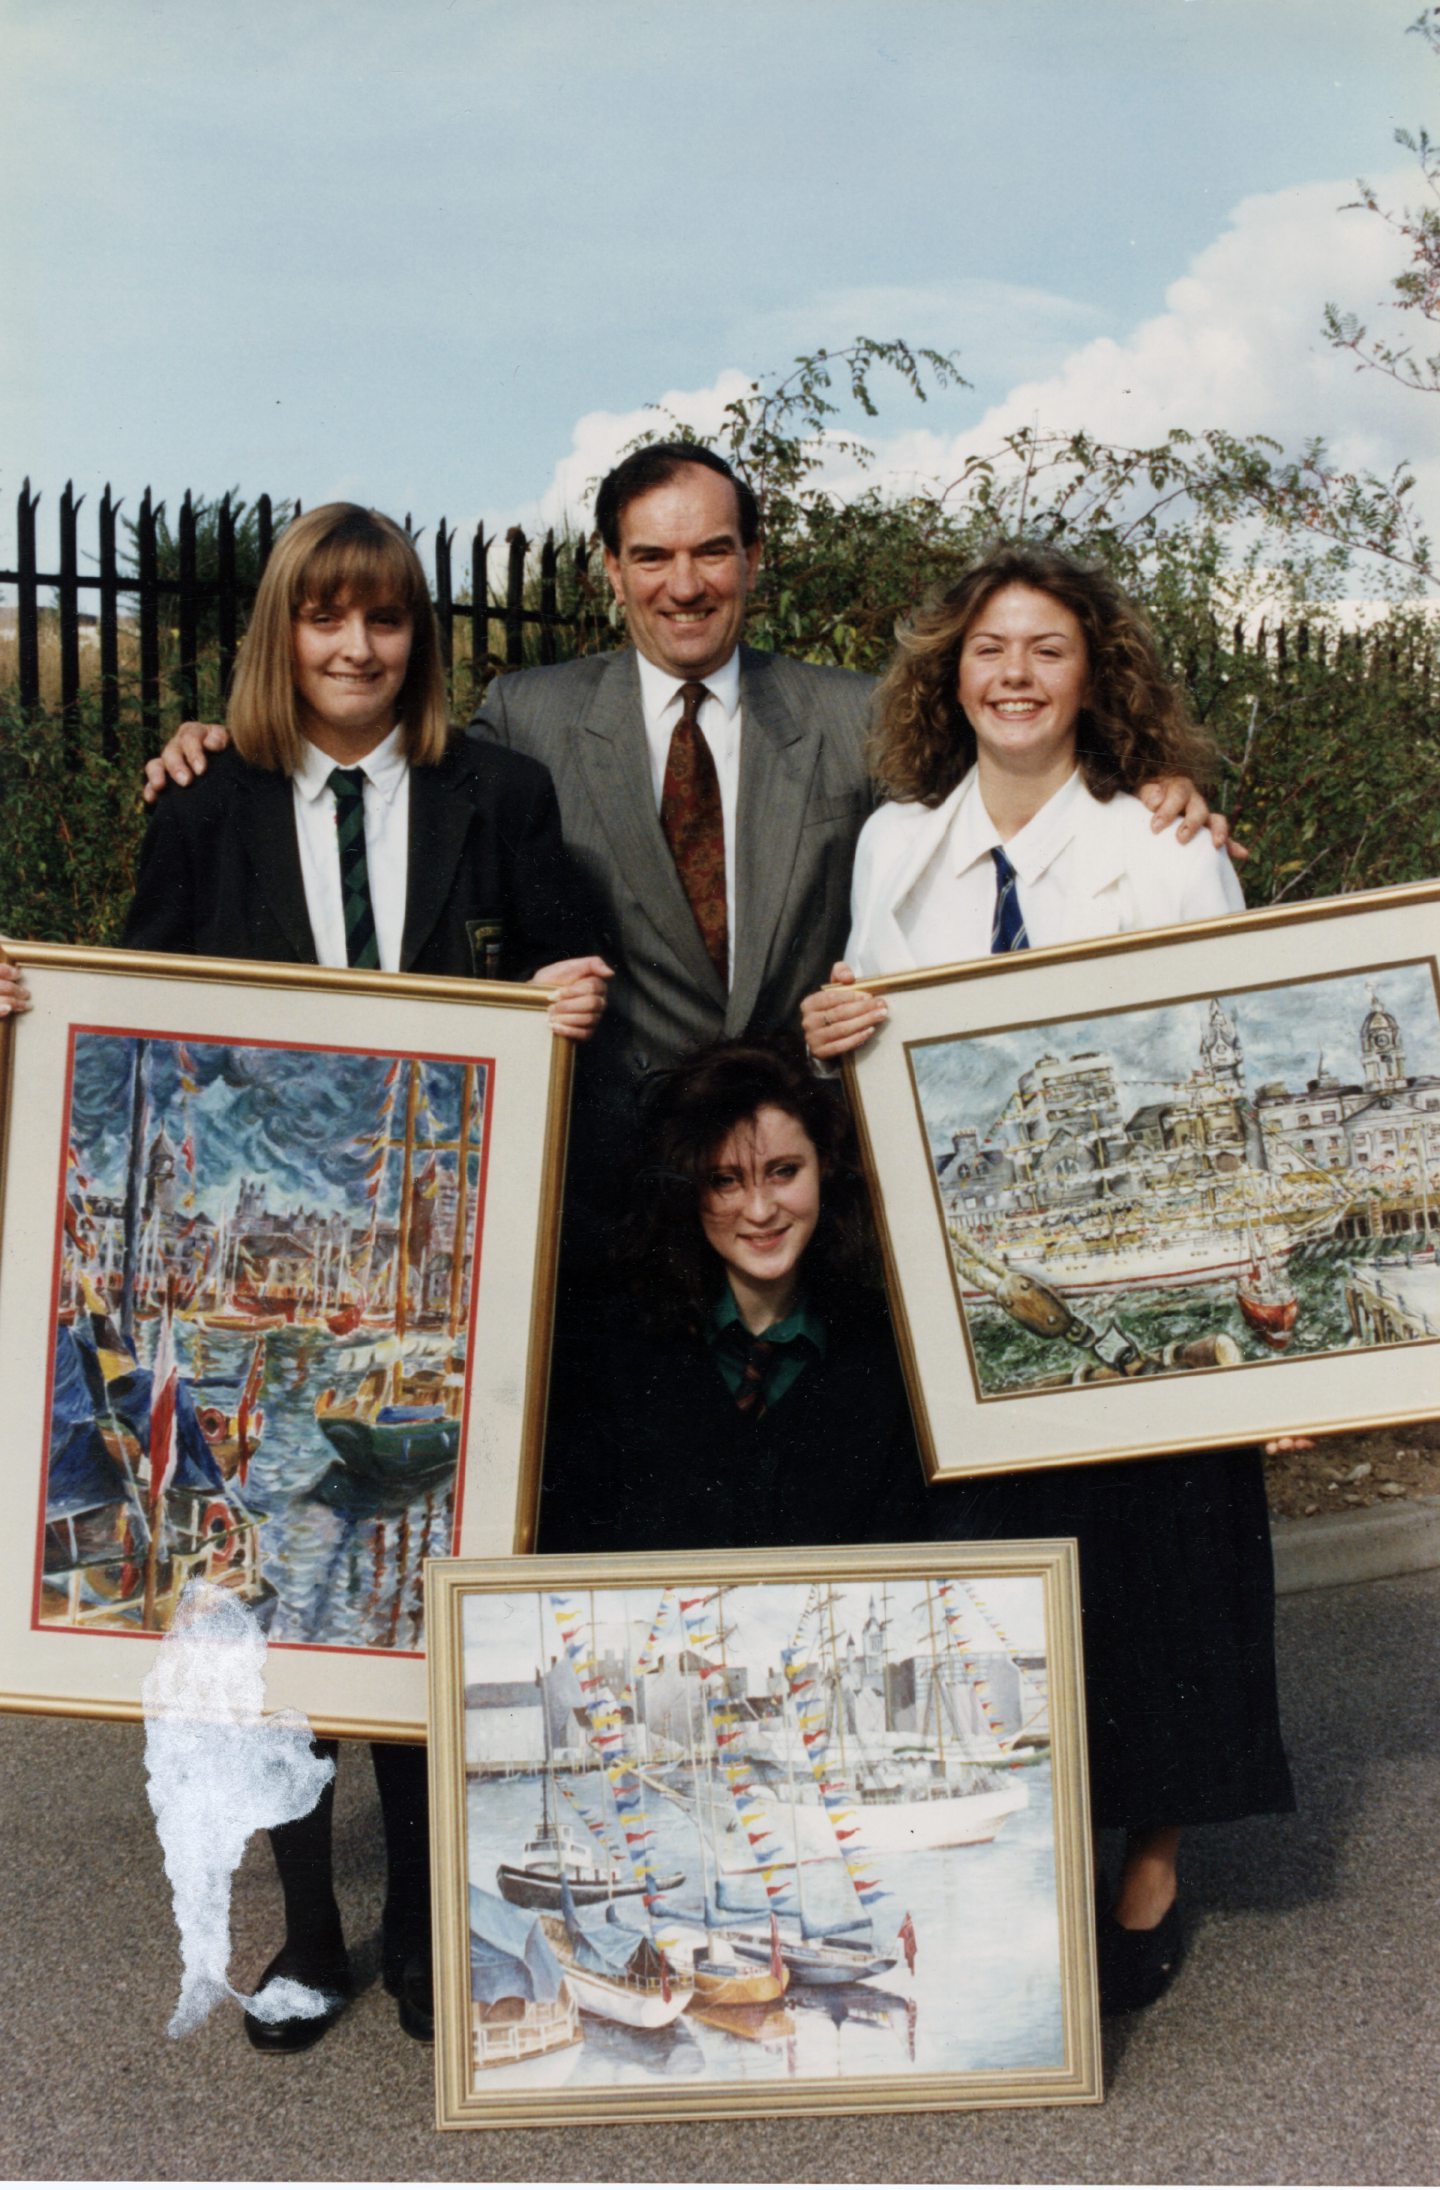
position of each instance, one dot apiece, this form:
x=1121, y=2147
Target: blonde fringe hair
x=339, y=555
x=1134, y=726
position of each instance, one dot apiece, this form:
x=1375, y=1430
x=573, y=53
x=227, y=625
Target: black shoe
x=1135, y=1967
x=412, y=1986
x=328, y=1973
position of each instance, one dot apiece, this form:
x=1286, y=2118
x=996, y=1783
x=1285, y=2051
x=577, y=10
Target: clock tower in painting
x=1382, y=1053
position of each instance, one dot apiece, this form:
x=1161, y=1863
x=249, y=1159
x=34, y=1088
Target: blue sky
x=438, y=255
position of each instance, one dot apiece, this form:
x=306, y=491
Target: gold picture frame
x=628, y=1701
x=213, y=1175
x=1168, y=1191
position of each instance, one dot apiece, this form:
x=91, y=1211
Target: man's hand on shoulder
x=1172, y=798
x=183, y=757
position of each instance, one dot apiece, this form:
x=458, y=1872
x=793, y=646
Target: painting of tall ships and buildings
x=758, y=1834
x=262, y=1333
x=1219, y=1182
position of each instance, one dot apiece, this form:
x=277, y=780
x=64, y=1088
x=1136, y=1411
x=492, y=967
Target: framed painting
x=277, y=1254
x=1172, y=1190
x=714, y=1832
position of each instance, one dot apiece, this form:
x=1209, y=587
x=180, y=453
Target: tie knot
x=347, y=783
x=1004, y=872
x=692, y=696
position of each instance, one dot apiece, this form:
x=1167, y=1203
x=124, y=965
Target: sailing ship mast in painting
x=234, y=1233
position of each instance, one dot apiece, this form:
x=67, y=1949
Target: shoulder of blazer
x=484, y=772
x=845, y=692
x=526, y=695
x=206, y=802
x=898, y=826
x=1117, y=839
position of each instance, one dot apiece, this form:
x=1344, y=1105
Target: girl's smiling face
x=760, y=1201
x=349, y=665
x=1024, y=677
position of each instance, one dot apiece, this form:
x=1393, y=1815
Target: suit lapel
x=614, y=760
x=778, y=753
x=265, y=817
x=440, y=816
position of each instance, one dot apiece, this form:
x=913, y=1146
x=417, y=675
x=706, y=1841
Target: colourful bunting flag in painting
x=836, y=1799
x=607, y=1733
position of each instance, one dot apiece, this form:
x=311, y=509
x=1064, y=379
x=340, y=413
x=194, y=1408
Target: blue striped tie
x=1007, y=932
x=361, y=948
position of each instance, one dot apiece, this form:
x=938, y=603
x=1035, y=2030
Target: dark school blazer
x=491, y=889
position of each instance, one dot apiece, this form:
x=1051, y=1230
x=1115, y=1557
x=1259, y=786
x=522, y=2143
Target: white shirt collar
x=973, y=835
x=384, y=768
x=659, y=688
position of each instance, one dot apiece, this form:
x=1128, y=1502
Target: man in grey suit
x=681, y=539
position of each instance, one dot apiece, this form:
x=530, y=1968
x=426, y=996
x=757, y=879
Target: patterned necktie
x=695, y=829
x=1007, y=931
x=361, y=948
x=750, y=1398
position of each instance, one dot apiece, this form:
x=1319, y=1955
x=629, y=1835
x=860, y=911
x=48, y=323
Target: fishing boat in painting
x=554, y=1855
x=1267, y=1299
x=616, y=1971
x=521, y=2004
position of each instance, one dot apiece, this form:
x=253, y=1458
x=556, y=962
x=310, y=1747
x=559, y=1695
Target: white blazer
x=1113, y=876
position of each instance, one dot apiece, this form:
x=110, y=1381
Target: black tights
x=304, y=1861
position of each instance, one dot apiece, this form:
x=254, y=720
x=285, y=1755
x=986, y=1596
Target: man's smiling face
x=683, y=574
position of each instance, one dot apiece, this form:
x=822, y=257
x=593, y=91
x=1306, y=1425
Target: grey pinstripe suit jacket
x=803, y=796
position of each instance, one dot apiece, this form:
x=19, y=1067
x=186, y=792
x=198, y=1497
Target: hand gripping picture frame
x=1169, y=1191
x=734, y=1834
x=277, y=1265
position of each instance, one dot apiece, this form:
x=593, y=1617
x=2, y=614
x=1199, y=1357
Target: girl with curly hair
x=740, y=1386
x=1025, y=707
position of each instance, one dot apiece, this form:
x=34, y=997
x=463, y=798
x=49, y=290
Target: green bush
x=70, y=825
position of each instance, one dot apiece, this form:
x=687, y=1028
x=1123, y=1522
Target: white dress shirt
x=949, y=910
x=719, y=718
x=923, y=892
x=387, y=847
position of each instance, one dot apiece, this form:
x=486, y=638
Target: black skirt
x=1177, y=1594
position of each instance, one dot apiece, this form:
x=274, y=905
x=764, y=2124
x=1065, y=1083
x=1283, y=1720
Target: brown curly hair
x=1134, y=726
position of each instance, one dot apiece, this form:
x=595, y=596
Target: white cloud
x=1237, y=346
x=600, y=437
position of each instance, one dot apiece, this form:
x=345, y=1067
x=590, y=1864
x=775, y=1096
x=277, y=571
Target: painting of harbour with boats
x=1225, y=1181
x=757, y=1837
x=262, y=1333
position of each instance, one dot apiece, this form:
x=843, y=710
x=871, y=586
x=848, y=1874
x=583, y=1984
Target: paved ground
x=1301, y=2043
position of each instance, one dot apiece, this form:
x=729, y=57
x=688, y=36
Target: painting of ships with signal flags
x=1214, y=1183
x=262, y=1333
x=761, y=1834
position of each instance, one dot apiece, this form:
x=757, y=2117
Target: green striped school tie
x=361, y=948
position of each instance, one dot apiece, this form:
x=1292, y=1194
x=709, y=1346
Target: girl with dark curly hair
x=742, y=1387
x=1024, y=708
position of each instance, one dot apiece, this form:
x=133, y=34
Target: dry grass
x=129, y=656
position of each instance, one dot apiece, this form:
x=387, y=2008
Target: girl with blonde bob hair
x=347, y=825
x=1024, y=708
x=338, y=555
